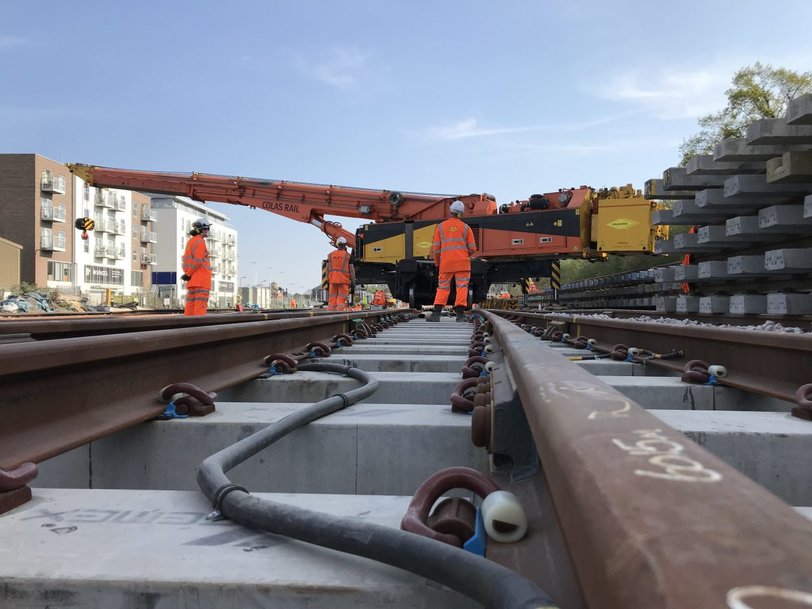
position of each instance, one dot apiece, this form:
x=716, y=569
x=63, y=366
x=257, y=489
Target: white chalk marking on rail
x=666, y=455
x=736, y=596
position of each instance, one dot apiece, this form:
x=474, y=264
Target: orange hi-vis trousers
x=197, y=301
x=461, y=279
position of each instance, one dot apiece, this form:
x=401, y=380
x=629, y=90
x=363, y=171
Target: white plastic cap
x=201, y=223
x=457, y=207
x=341, y=241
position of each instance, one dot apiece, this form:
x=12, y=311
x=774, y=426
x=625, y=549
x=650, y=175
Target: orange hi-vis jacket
x=196, y=263
x=338, y=267
x=453, y=245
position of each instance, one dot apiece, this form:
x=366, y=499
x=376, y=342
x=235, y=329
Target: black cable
x=474, y=576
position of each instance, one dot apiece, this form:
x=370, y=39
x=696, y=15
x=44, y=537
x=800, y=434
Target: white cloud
x=7, y=42
x=669, y=93
x=342, y=68
x=469, y=127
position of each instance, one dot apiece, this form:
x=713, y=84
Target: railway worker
x=197, y=269
x=340, y=276
x=452, y=248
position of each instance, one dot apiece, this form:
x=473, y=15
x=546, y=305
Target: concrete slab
x=399, y=362
x=789, y=260
x=789, y=304
x=776, y=131
x=418, y=339
x=714, y=198
x=789, y=217
x=799, y=110
x=704, y=164
x=793, y=166
x=311, y=387
x=738, y=149
x=425, y=349
x=677, y=178
x=99, y=549
x=359, y=450
x=662, y=393
x=771, y=448
x=757, y=187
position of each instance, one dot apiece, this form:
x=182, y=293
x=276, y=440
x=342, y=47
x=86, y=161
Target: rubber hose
x=473, y=576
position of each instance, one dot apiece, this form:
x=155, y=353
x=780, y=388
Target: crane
x=515, y=241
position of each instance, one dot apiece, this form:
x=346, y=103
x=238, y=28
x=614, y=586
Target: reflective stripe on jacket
x=453, y=245
x=196, y=263
x=338, y=267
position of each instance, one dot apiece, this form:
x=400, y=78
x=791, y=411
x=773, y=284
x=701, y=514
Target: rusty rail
x=50, y=328
x=58, y=395
x=775, y=364
x=650, y=518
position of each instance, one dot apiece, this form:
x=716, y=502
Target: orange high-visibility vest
x=453, y=245
x=338, y=267
x=196, y=263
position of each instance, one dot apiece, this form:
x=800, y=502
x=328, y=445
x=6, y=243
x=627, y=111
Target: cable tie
x=221, y=493
x=344, y=399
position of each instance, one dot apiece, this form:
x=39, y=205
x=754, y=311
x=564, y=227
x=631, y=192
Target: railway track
x=639, y=489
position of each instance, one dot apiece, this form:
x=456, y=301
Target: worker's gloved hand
x=185, y=277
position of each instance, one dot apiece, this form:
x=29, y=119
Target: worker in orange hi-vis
x=379, y=298
x=197, y=269
x=340, y=276
x=452, y=248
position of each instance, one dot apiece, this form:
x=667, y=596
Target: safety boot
x=461, y=315
x=435, y=314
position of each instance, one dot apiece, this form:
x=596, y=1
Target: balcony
x=119, y=202
x=100, y=251
x=149, y=215
x=52, y=184
x=149, y=259
x=52, y=244
x=53, y=214
x=148, y=236
x=104, y=199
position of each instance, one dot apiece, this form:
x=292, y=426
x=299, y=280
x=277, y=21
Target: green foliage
x=758, y=91
x=24, y=288
x=575, y=270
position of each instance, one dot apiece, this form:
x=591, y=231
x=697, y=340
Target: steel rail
x=58, y=395
x=650, y=518
x=775, y=364
x=42, y=328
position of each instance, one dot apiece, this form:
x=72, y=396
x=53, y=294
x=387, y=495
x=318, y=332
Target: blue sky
x=509, y=98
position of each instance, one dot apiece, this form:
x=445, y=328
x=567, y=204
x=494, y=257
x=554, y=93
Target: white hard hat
x=457, y=207
x=201, y=223
x=341, y=241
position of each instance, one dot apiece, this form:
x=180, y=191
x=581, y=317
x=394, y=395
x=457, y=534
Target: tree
x=759, y=91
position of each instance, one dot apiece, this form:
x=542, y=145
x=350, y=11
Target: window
x=135, y=209
x=60, y=271
x=87, y=245
x=86, y=192
x=137, y=278
x=47, y=208
x=60, y=181
x=103, y=275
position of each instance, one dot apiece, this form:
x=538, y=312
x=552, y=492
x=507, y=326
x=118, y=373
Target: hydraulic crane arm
x=300, y=201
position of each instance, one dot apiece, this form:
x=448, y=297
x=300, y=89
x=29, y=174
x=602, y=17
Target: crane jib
x=277, y=206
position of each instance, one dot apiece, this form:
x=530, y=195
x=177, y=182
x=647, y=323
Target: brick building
x=40, y=200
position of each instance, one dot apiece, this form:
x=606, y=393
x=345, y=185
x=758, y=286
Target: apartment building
x=39, y=202
x=136, y=246
x=175, y=217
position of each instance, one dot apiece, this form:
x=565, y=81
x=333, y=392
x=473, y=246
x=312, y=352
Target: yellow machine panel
x=393, y=248
x=624, y=225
